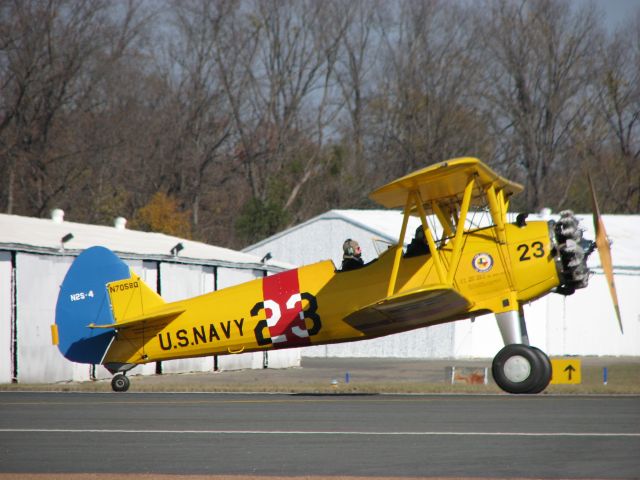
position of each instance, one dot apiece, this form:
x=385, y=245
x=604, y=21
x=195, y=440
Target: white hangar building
x=35, y=255
x=581, y=324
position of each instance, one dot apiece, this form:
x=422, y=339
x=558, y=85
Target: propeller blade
x=604, y=251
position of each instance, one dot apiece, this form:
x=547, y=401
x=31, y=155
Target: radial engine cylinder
x=572, y=252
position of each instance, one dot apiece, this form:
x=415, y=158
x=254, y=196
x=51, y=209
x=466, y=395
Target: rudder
x=83, y=300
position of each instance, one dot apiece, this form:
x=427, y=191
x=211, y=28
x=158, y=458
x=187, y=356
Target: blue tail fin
x=83, y=300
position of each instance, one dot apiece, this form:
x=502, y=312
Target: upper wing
x=445, y=180
x=412, y=309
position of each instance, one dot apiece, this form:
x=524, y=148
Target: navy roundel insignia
x=482, y=262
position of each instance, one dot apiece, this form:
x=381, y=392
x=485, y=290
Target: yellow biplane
x=107, y=315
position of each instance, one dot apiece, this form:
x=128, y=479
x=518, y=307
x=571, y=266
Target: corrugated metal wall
x=38, y=278
x=581, y=324
x=6, y=297
x=320, y=240
x=178, y=282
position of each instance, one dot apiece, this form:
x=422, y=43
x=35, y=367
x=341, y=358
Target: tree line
x=229, y=120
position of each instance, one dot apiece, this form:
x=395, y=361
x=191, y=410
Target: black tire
x=120, y=383
x=547, y=371
x=518, y=368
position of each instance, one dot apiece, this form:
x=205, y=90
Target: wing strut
x=414, y=199
x=435, y=254
x=445, y=220
x=457, y=241
x=398, y=253
x=497, y=213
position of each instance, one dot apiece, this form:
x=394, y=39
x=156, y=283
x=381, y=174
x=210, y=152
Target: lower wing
x=407, y=310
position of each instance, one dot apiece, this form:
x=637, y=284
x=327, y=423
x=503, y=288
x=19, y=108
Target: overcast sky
x=617, y=10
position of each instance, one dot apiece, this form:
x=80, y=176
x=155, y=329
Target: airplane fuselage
x=313, y=304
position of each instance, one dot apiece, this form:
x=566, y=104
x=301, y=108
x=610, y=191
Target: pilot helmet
x=351, y=248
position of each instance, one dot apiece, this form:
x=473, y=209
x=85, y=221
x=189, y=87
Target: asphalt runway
x=540, y=436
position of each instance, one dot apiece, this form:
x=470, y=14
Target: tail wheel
x=120, y=383
x=519, y=368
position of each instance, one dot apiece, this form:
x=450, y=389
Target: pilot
x=352, y=256
x=418, y=245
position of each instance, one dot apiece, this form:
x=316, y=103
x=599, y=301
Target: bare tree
x=426, y=111
x=203, y=119
x=614, y=145
x=354, y=70
x=537, y=88
x=282, y=110
x=252, y=115
x=52, y=56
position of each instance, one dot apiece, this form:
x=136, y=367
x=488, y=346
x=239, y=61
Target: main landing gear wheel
x=547, y=371
x=120, y=383
x=519, y=368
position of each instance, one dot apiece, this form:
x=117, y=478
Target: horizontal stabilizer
x=407, y=310
x=158, y=314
